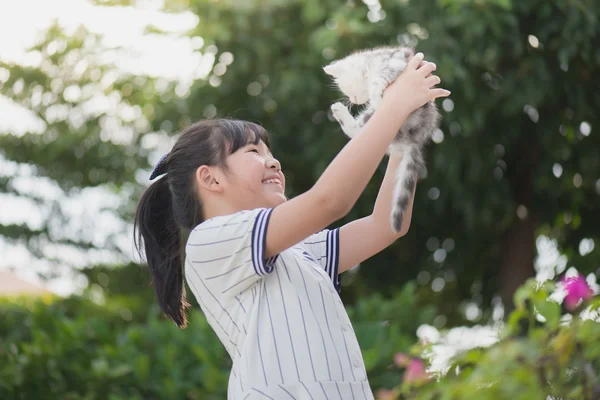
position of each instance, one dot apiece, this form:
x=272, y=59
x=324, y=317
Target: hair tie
x=161, y=167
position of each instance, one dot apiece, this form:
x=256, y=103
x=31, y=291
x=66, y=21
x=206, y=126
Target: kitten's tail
x=406, y=178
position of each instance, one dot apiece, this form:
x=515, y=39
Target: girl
x=264, y=269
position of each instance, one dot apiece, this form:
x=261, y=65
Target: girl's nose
x=273, y=163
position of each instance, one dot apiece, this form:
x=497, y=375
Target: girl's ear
x=334, y=69
x=208, y=178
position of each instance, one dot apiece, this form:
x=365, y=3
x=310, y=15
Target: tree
x=515, y=156
x=522, y=110
x=87, y=145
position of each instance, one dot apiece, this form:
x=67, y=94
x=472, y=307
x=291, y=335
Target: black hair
x=171, y=205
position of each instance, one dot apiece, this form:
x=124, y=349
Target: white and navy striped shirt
x=281, y=320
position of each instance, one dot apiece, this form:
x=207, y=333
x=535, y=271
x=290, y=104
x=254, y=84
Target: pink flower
x=401, y=359
x=577, y=289
x=385, y=394
x=415, y=371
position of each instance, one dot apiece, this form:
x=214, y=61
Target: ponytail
x=155, y=225
x=171, y=204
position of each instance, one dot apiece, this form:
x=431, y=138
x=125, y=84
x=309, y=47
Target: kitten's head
x=351, y=77
x=354, y=73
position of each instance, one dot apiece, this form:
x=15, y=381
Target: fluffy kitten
x=363, y=76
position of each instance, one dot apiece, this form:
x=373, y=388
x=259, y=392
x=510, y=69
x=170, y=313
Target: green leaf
x=119, y=371
x=141, y=367
x=550, y=310
x=523, y=293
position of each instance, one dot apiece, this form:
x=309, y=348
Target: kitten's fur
x=363, y=76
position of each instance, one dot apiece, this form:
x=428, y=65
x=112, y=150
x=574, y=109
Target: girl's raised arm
x=341, y=184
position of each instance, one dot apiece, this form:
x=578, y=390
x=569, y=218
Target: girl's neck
x=216, y=207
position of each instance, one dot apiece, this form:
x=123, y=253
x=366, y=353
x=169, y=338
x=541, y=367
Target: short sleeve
x=324, y=247
x=227, y=253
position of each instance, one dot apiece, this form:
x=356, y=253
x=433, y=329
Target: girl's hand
x=414, y=87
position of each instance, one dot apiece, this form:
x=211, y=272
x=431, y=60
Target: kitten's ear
x=333, y=69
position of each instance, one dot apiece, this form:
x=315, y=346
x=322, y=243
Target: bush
x=545, y=351
x=74, y=349
x=384, y=327
x=98, y=354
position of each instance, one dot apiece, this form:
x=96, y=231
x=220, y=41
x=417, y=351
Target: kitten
x=363, y=76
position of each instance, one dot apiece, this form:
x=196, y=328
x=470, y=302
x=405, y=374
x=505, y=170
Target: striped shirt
x=280, y=319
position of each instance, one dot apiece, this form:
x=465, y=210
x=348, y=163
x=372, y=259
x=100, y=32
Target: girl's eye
x=254, y=150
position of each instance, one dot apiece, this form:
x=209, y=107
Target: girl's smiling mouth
x=273, y=180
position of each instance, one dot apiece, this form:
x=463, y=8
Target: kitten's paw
x=338, y=109
x=341, y=114
x=345, y=119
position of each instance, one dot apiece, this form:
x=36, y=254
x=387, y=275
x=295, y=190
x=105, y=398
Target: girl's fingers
x=427, y=68
x=432, y=80
x=438, y=92
x=415, y=61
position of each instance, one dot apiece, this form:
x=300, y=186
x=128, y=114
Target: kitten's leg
x=347, y=122
x=406, y=177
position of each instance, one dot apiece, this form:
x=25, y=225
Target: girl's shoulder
x=236, y=225
x=227, y=252
x=237, y=218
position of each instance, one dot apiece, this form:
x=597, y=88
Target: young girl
x=264, y=269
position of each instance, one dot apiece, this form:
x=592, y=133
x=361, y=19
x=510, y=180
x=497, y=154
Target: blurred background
x=92, y=94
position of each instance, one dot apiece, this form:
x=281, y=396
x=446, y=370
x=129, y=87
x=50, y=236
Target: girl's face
x=254, y=178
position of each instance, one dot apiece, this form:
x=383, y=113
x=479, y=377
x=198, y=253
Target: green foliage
x=559, y=357
x=518, y=158
x=524, y=104
x=75, y=349
x=384, y=327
